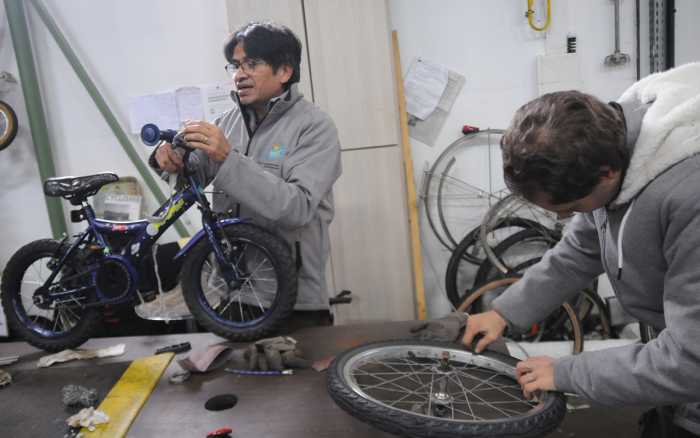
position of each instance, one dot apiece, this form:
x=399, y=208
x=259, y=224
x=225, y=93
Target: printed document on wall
x=169, y=110
x=424, y=84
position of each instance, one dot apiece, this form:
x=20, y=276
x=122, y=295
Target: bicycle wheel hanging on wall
x=8, y=125
x=432, y=389
x=508, y=208
x=454, y=203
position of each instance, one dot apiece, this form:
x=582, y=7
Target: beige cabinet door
x=287, y=12
x=370, y=253
x=351, y=69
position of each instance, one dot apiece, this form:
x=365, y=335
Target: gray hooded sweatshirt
x=648, y=242
x=280, y=174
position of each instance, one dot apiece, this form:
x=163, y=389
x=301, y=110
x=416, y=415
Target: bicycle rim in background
x=571, y=330
x=513, y=206
x=454, y=200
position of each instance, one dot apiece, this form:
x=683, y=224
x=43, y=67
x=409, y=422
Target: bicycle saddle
x=78, y=187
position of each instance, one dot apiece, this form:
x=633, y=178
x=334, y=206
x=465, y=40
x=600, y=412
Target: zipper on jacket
x=251, y=134
x=604, y=229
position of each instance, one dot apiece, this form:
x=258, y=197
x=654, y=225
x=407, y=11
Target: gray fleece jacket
x=648, y=242
x=280, y=174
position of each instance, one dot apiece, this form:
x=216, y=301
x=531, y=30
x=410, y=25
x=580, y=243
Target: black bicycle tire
x=285, y=273
x=462, y=252
x=403, y=423
x=10, y=133
x=11, y=280
x=486, y=269
x=489, y=219
x=480, y=291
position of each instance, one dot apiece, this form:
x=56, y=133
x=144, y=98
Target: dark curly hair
x=557, y=144
x=274, y=43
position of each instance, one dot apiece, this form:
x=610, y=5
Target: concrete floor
x=289, y=406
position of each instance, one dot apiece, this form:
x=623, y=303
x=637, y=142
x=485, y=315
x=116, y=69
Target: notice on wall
x=423, y=86
x=427, y=130
x=169, y=110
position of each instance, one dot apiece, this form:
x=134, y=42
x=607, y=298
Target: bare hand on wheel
x=535, y=374
x=489, y=324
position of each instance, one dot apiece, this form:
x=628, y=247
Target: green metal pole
x=35, y=111
x=101, y=104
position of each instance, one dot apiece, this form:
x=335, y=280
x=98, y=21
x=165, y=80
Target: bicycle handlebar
x=151, y=135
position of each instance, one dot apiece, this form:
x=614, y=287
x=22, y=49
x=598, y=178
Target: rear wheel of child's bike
x=52, y=325
x=257, y=303
x=431, y=389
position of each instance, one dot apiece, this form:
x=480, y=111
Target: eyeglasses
x=247, y=65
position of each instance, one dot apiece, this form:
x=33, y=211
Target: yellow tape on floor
x=129, y=394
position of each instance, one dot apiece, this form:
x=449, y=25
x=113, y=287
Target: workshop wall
x=22, y=208
x=491, y=44
x=687, y=32
x=129, y=48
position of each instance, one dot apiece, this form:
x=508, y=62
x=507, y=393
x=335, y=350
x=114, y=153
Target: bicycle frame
x=140, y=237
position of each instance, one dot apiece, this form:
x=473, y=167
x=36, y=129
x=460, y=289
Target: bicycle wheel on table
x=569, y=330
x=433, y=389
x=453, y=204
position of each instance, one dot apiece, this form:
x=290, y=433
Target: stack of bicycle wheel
x=512, y=236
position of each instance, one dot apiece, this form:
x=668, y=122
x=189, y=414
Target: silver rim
x=511, y=206
x=62, y=316
x=253, y=297
x=438, y=382
x=4, y=124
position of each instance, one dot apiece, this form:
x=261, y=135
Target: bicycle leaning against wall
x=238, y=280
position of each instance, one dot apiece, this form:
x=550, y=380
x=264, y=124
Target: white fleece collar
x=670, y=129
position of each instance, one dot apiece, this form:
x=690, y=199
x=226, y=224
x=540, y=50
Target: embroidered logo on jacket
x=277, y=152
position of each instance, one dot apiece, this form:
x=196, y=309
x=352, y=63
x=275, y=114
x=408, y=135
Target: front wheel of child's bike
x=259, y=301
x=431, y=389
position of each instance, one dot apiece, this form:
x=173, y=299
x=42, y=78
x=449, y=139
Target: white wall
x=129, y=47
x=23, y=214
x=687, y=31
x=492, y=45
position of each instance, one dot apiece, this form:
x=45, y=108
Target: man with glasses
x=274, y=157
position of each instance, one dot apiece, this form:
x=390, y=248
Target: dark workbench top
x=277, y=406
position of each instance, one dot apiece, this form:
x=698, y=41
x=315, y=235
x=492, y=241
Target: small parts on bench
x=5, y=378
x=76, y=395
x=259, y=373
x=175, y=348
x=224, y=432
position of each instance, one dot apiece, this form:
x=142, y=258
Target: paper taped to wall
x=171, y=109
x=424, y=84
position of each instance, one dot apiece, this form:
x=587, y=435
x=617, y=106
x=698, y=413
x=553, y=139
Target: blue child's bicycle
x=238, y=280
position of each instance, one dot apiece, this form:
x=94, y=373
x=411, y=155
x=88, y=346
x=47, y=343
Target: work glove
x=278, y=353
x=445, y=329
